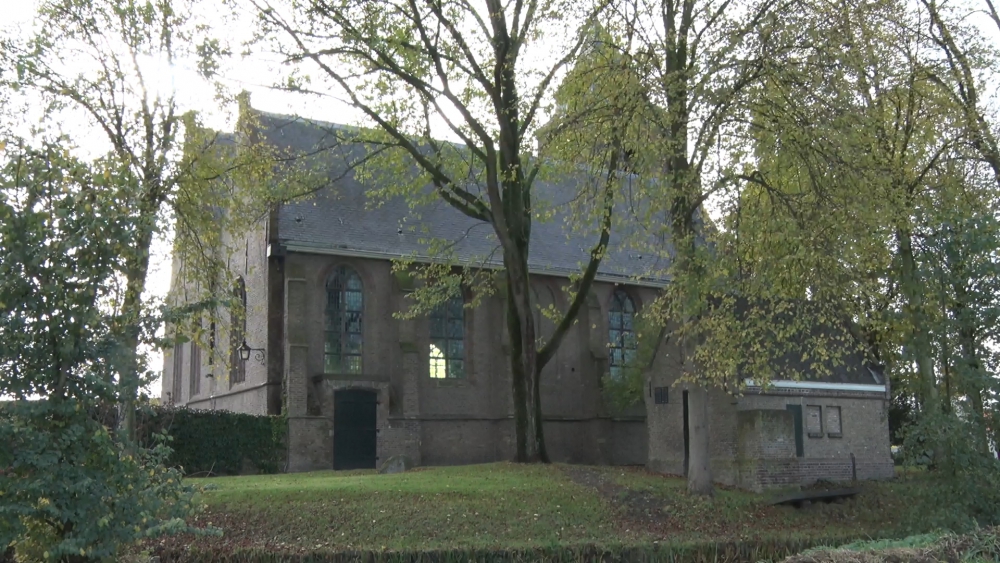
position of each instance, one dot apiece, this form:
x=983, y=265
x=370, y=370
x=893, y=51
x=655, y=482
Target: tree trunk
x=524, y=371
x=131, y=312
x=699, y=477
x=917, y=341
x=543, y=454
x=971, y=380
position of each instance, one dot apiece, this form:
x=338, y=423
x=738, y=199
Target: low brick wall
x=761, y=474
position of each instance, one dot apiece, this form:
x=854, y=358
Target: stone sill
x=351, y=377
x=447, y=382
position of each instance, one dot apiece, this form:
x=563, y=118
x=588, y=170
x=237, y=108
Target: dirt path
x=640, y=510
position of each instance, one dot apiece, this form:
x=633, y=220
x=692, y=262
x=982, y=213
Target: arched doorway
x=354, y=429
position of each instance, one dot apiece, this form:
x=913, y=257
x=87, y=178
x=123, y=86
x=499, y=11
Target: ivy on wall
x=217, y=442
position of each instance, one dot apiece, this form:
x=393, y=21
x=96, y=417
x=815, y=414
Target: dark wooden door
x=797, y=421
x=353, y=429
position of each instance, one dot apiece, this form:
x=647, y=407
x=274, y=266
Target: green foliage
x=70, y=490
x=969, y=478
x=980, y=545
x=217, y=442
x=879, y=209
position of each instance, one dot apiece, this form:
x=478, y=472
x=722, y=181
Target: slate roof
x=342, y=219
x=851, y=367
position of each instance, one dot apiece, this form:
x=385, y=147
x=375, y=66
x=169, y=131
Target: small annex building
x=359, y=385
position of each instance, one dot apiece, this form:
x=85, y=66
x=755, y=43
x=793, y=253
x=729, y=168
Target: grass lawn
x=978, y=546
x=509, y=506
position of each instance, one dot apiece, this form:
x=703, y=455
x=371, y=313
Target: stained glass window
x=447, y=349
x=344, y=309
x=622, y=342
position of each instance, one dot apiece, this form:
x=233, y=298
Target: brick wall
x=864, y=426
x=456, y=421
x=765, y=434
x=753, y=441
x=665, y=422
x=767, y=449
x=310, y=443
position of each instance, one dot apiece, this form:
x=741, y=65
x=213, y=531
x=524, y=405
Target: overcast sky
x=196, y=93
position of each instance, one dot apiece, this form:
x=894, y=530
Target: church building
x=324, y=346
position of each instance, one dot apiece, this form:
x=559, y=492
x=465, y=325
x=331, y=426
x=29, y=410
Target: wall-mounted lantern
x=246, y=350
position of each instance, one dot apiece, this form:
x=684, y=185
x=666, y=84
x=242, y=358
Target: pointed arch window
x=447, y=349
x=622, y=342
x=237, y=333
x=344, y=309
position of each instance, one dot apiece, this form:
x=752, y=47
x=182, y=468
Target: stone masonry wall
x=665, y=422
x=246, y=256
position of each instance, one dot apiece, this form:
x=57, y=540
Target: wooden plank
x=802, y=497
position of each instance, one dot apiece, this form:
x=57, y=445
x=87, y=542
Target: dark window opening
x=237, y=333
x=797, y=422
x=175, y=396
x=195, y=369
x=211, y=343
x=660, y=395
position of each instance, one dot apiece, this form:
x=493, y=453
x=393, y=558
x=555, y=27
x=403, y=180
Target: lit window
x=344, y=308
x=447, y=348
x=622, y=342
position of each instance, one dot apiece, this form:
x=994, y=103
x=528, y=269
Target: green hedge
x=217, y=442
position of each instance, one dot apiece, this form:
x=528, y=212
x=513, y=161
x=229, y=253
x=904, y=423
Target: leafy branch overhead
x=417, y=71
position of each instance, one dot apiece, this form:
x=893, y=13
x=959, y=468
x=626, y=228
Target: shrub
x=966, y=494
x=70, y=492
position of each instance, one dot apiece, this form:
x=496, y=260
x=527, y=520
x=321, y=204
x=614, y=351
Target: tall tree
x=90, y=54
x=862, y=203
x=93, y=65
x=965, y=55
x=71, y=492
x=699, y=60
x=409, y=65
